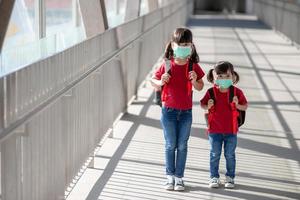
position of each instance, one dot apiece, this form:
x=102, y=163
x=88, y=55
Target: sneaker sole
x=214, y=186
x=169, y=188
x=179, y=189
x=229, y=187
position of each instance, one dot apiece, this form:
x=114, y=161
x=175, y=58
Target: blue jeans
x=216, y=141
x=177, y=126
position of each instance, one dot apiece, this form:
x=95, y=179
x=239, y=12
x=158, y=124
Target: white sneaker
x=179, y=184
x=214, y=182
x=169, y=185
x=229, y=182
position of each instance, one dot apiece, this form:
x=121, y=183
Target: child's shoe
x=169, y=185
x=214, y=182
x=229, y=182
x=179, y=185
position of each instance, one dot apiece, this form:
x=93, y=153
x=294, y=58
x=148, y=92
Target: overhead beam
x=6, y=7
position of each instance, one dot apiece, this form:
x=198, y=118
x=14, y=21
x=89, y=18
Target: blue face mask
x=224, y=83
x=182, y=51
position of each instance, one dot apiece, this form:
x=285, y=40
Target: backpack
x=158, y=93
x=241, y=113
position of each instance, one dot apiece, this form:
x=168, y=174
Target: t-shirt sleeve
x=198, y=70
x=160, y=71
x=241, y=97
x=205, y=99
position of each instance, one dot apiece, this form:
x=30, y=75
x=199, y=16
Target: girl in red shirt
x=177, y=94
x=222, y=123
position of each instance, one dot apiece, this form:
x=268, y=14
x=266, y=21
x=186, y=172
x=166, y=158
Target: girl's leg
x=230, y=142
x=169, y=123
x=183, y=133
x=215, y=141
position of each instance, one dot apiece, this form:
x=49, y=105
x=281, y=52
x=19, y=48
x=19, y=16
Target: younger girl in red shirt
x=222, y=123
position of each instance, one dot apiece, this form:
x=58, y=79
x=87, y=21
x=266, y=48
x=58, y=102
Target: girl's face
x=184, y=44
x=226, y=75
x=224, y=80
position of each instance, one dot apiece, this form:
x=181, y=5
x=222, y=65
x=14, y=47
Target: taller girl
x=177, y=103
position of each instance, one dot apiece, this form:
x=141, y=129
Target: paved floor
x=130, y=165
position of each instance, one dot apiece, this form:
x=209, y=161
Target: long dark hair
x=221, y=68
x=181, y=35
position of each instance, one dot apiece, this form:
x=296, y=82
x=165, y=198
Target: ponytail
x=210, y=76
x=236, y=77
x=194, y=56
x=168, y=51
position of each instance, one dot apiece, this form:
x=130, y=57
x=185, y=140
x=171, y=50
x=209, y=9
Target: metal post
x=40, y=19
x=132, y=9
x=2, y=105
x=75, y=13
x=6, y=8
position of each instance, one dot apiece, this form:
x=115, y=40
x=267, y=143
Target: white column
x=6, y=8
x=92, y=17
x=40, y=19
x=132, y=9
x=75, y=13
x=153, y=5
x=249, y=6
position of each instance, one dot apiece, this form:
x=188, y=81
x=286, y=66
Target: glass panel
x=115, y=12
x=11, y=59
x=144, y=7
x=21, y=46
x=163, y=3
x=21, y=25
x=58, y=15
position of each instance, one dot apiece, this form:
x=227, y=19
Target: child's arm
x=210, y=104
x=242, y=107
x=239, y=106
x=155, y=83
x=196, y=78
x=198, y=85
x=158, y=83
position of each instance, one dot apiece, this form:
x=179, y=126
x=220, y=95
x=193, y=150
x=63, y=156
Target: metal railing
x=53, y=113
x=282, y=15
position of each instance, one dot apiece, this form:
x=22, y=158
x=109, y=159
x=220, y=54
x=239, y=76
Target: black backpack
x=157, y=94
x=242, y=113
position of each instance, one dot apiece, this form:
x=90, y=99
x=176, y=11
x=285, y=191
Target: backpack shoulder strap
x=190, y=66
x=167, y=66
x=231, y=93
x=212, y=94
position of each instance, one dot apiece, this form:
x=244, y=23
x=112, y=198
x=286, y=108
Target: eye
x=185, y=44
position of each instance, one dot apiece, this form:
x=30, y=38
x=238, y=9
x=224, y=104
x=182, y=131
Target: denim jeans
x=177, y=126
x=216, y=141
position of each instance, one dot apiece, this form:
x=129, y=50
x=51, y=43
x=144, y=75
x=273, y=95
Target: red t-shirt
x=178, y=96
x=222, y=118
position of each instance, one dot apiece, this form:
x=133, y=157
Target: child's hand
x=210, y=103
x=193, y=76
x=165, y=78
x=235, y=100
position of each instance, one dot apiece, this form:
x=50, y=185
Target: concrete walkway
x=130, y=165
